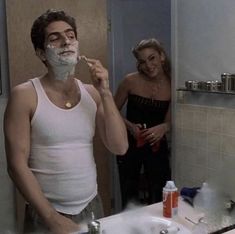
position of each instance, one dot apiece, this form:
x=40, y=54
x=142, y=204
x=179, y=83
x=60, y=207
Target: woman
x=147, y=93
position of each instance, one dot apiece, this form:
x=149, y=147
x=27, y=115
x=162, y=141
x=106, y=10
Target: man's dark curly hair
x=39, y=25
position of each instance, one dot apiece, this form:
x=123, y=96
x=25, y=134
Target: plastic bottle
x=205, y=199
x=140, y=140
x=170, y=199
x=156, y=146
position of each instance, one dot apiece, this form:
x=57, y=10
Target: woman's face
x=150, y=62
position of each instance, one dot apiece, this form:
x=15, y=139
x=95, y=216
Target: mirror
x=0, y=78
x=203, y=124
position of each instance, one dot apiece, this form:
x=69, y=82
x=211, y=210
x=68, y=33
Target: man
x=49, y=126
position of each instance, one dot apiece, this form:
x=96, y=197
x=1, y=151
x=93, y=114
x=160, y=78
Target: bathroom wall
x=6, y=188
x=203, y=42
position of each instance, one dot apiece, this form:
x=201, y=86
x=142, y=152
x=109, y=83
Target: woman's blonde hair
x=156, y=45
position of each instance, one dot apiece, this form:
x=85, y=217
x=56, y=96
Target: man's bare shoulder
x=23, y=93
x=22, y=89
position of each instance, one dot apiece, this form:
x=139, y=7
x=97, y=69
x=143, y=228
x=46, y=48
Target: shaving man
x=49, y=125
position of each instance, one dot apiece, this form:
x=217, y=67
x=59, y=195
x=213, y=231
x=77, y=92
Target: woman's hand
x=154, y=134
x=135, y=129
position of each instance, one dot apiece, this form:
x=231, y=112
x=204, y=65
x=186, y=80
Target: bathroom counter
x=187, y=216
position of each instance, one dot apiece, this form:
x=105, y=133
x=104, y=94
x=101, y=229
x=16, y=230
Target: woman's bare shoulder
x=132, y=75
x=131, y=78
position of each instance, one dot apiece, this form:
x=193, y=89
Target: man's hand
x=99, y=74
x=59, y=224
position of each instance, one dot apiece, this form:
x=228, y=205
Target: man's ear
x=41, y=54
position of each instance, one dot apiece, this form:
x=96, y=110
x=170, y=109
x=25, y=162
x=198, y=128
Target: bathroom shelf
x=205, y=91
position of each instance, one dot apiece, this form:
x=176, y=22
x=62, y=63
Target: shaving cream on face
x=63, y=63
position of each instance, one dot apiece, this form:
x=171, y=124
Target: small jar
x=232, y=82
x=209, y=85
x=226, y=82
x=191, y=84
x=202, y=85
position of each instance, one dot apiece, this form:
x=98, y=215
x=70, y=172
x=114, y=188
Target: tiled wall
x=204, y=145
x=7, y=211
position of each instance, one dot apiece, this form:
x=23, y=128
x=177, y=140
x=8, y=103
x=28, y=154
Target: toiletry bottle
x=140, y=140
x=156, y=146
x=170, y=200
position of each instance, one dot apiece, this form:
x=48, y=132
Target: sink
x=140, y=224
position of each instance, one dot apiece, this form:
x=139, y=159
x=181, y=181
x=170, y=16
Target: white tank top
x=61, y=155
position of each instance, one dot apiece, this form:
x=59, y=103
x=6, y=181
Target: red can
x=170, y=200
x=140, y=139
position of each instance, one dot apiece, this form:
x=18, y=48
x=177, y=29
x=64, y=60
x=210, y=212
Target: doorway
x=130, y=21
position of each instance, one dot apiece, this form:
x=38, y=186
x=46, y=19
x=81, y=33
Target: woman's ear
x=162, y=58
x=41, y=54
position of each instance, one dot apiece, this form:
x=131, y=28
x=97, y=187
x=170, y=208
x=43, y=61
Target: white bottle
x=170, y=199
x=204, y=200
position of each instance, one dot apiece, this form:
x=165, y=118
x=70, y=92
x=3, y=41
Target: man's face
x=58, y=34
x=61, y=45
x=61, y=49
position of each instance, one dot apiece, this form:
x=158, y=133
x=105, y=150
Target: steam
x=214, y=200
x=134, y=220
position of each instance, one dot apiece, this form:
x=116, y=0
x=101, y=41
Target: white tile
x=200, y=139
x=228, y=127
x=187, y=119
x=215, y=120
x=214, y=142
x=214, y=160
x=183, y=153
x=200, y=120
x=178, y=119
x=198, y=174
x=186, y=172
x=228, y=144
x=200, y=157
x=187, y=137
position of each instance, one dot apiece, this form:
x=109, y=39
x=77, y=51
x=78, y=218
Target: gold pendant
x=68, y=104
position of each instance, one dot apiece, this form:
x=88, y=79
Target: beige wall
x=91, y=21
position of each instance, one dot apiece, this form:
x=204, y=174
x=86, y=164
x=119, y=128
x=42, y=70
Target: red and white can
x=170, y=200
